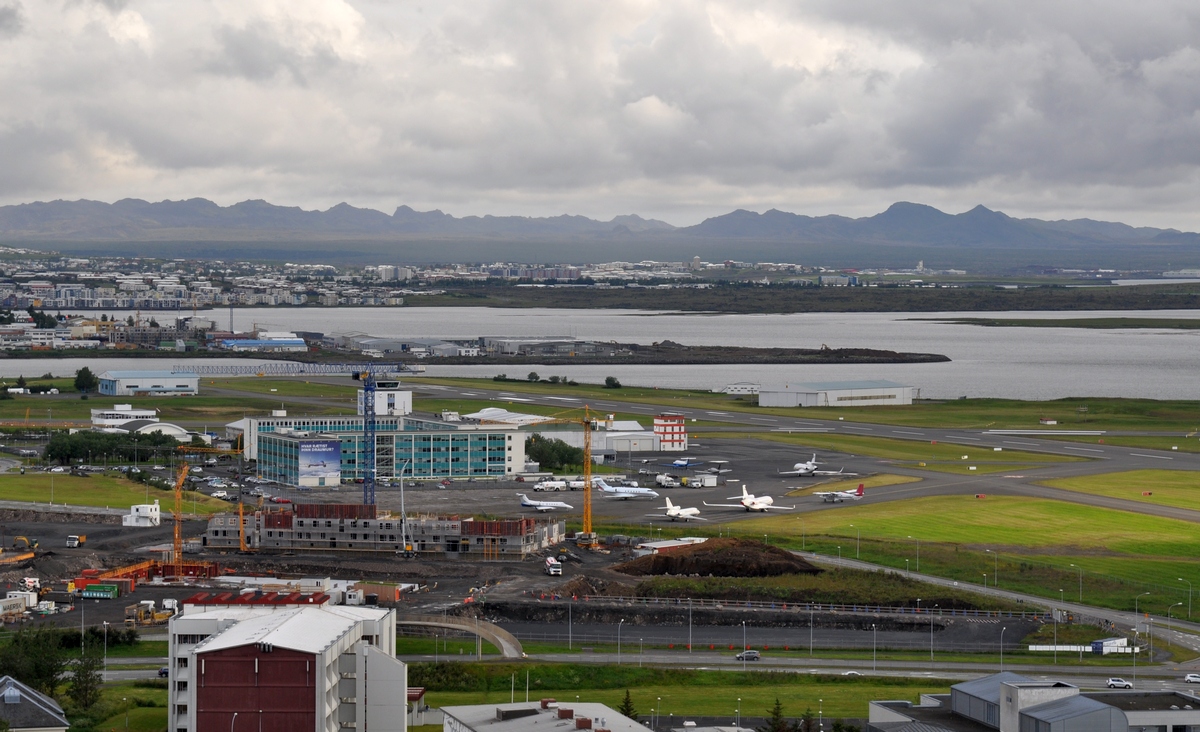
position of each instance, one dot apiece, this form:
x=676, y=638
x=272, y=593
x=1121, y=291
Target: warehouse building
x=836, y=394
x=1009, y=702
x=361, y=528
x=262, y=661
x=149, y=383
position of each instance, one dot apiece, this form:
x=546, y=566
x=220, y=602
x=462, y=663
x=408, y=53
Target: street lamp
x=857, y=540
x=907, y=570
x=1189, y=584
x=231, y=722
x=125, y=701
x=1061, y=601
x=1135, y=602
x=874, y=645
x=931, y=635
x=1002, y=649
x=743, y=645
x=985, y=579
x=619, y=640
x=1169, y=617
x=106, y=650
x=1080, y=582
x=738, y=723
x=918, y=553
x=995, y=567
x=839, y=549
x=821, y=713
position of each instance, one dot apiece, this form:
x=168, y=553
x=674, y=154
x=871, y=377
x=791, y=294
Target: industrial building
x=835, y=394
x=390, y=401
x=149, y=383
x=361, y=528
x=535, y=716
x=119, y=414
x=1009, y=702
x=143, y=515
x=277, y=663
x=325, y=451
x=609, y=436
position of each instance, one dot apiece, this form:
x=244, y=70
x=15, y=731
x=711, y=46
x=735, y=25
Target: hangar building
x=149, y=383
x=836, y=394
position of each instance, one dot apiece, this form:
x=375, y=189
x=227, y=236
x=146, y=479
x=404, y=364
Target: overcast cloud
x=677, y=110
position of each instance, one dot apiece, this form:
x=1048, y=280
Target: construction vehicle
x=25, y=542
x=145, y=613
x=76, y=541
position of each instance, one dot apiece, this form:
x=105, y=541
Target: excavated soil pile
x=720, y=558
x=583, y=585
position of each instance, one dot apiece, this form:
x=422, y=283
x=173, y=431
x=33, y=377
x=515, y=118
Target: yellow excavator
x=26, y=543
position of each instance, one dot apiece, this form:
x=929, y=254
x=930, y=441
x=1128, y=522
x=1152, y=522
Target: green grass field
x=970, y=467
x=279, y=387
x=102, y=490
x=1182, y=443
x=1166, y=487
x=195, y=408
x=904, y=450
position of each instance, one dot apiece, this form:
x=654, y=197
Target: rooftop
x=834, y=385
x=121, y=374
x=1147, y=701
x=304, y=629
x=530, y=717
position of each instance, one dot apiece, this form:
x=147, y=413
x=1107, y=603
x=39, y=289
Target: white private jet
x=623, y=492
x=543, y=506
x=809, y=468
x=751, y=502
x=839, y=496
x=674, y=512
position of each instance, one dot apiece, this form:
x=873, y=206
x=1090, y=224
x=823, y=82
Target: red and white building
x=671, y=430
x=279, y=663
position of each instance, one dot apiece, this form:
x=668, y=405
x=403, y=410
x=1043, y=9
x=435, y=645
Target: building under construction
x=322, y=527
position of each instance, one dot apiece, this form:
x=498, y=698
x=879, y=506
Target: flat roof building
x=149, y=383
x=536, y=716
x=865, y=393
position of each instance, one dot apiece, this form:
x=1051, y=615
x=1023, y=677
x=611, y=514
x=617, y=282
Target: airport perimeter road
x=1182, y=632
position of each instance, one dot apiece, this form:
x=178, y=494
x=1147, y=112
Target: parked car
x=1119, y=683
x=1191, y=679
x=163, y=672
x=749, y=656
x=280, y=499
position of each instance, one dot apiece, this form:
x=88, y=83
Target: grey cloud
x=254, y=53
x=11, y=20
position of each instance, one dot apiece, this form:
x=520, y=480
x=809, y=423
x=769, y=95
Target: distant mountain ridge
x=201, y=220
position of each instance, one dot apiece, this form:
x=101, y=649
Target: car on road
x=164, y=672
x=1119, y=683
x=749, y=656
x=1191, y=679
x=851, y=673
x=280, y=499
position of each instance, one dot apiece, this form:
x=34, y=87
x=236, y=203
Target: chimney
x=546, y=703
x=583, y=723
x=564, y=713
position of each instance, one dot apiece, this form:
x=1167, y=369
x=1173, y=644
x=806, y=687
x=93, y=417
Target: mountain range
x=260, y=229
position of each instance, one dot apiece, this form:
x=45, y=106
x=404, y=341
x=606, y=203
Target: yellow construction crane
x=180, y=479
x=587, y=537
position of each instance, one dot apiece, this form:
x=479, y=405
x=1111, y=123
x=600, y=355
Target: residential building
x=25, y=708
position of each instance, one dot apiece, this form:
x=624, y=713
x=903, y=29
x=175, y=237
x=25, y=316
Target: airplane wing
x=723, y=505
x=662, y=515
x=695, y=518
x=778, y=508
x=832, y=472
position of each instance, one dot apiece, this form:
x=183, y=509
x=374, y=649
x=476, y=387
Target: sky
x=675, y=110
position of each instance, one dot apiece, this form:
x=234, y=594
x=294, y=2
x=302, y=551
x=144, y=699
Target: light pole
x=907, y=570
x=1135, y=602
x=1061, y=601
x=105, y=650
x=810, y=630
x=1189, y=584
x=1135, y=649
x=918, y=553
x=1002, y=649
x=821, y=713
x=1080, y=582
x=839, y=548
x=231, y=722
x=1055, y=614
x=738, y=723
x=874, y=645
x=125, y=701
x=931, y=636
x=985, y=579
x=857, y=540
x=619, y=640
x=995, y=567
x=1169, y=619
x=689, y=625
x=743, y=645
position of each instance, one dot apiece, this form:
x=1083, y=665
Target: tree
x=85, y=380
x=807, y=723
x=627, y=707
x=21, y=381
x=610, y=382
x=35, y=657
x=129, y=321
x=533, y=376
x=85, y=678
x=552, y=454
x=775, y=722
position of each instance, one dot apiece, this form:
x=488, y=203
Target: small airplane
x=751, y=502
x=809, y=467
x=623, y=492
x=679, y=512
x=543, y=506
x=718, y=467
x=682, y=463
x=839, y=496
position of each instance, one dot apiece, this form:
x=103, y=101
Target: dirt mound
x=585, y=586
x=721, y=558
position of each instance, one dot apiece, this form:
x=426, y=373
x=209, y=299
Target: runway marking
x=1156, y=457
x=1027, y=444
x=760, y=419
x=852, y=427
x=1085, y=449
x=721, y=414
x=975, y=439
x=469, y=393
x=904, y=432
x=564, y=399
x=518, y=399
x=803, y=429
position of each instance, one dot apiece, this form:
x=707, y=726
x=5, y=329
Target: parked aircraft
x=543, y=506
x=622, y=491
x=683, y=463
x=839, y=496
x=809, y=467
x=751, y=502
x=679, y=512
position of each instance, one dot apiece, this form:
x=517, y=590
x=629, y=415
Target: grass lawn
x=277, y=387
x=141, y=649
x=144, y=701
x=141, y=719
x=1166, y=487
x=170, y=408
x=906, y=450
x=874, y=481
x=964, y=467
x=105, y=490
x=1187, y=443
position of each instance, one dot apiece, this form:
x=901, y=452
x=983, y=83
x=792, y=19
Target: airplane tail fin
x=669, y=504
x=859, y=492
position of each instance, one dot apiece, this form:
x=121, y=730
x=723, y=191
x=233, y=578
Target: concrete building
x=389, y=400
x=671, y=430
x=119, y=414
x=143, y=515
x=359, y=528
x=149, y=383
x=1009, y=702
x=24, y=708
x=264, y=661
x=835, y=394
x=537, y=716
